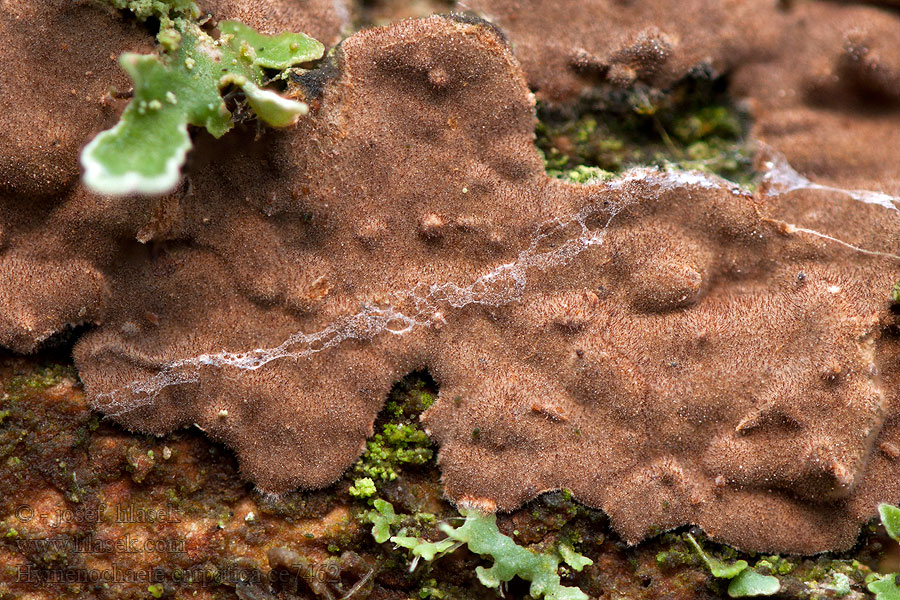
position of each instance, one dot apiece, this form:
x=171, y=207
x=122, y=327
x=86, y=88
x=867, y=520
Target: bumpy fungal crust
x=669, y=347
x=61, y=86
x=569, y=47
x=829, y=100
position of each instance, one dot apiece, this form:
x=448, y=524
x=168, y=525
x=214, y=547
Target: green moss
x=396, y=446
x=840, y=585
x=363, y=487
x=400, y=442
x=695, y=126
x=41, y=379
x=776, y=565
x=895, y=293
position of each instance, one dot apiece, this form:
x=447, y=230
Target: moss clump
x=40, y=379
x=164, y=10
x=363, y=487
x=400, y=442
x=695, y=126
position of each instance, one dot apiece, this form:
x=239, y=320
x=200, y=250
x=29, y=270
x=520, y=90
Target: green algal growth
x=582, y=174
x=744, y=580
x=164, y=10
x=885, y=586
x=182, y=86
x=840, y=585
x=156, y=590
x=694, y=126
x=479, y=533
x=399, y=442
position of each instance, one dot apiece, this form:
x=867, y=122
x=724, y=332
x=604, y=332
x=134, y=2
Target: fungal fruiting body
x=668, y=346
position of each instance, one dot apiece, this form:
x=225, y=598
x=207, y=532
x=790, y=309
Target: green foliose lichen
x=744, y=581
x=885, y=586
x=182, y=86
x=481, y=536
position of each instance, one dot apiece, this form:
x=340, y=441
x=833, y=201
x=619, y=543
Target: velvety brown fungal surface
x=55, y=93
x=569, y=46
x=668, y=346
x=830, y=98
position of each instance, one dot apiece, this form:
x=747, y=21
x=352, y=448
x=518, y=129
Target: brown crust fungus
x=668, y=346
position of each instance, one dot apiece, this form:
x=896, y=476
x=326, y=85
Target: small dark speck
x=801, y=276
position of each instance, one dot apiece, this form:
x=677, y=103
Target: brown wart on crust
x=642, y=342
